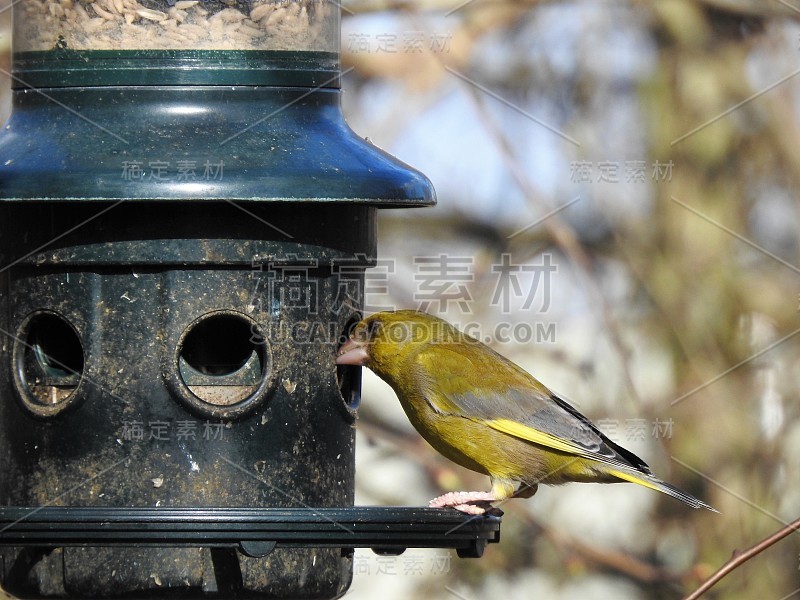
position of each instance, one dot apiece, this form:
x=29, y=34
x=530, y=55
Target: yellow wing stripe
x=534, y=435
x=634, y=479
x=609, y=466
x=545, y=439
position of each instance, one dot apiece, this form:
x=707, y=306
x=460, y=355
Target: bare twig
x=740, y=557
x=561, y=232
x=618, y=561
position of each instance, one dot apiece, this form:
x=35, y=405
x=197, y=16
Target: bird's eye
x=372, y=328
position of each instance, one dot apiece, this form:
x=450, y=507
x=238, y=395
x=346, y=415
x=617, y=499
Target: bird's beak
x=352, y=353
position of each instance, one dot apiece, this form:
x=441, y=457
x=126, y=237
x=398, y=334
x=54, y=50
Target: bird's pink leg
x=471, y=503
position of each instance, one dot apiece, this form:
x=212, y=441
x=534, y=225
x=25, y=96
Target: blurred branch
x=739, y=558
x=561, y=232
x=611, y=559
x=757, y=8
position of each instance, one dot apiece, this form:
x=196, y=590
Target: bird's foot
x=471, y=503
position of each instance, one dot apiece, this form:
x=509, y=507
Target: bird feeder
x=185, y=221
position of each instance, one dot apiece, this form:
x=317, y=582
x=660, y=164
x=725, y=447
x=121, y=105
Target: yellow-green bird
x=485, y=413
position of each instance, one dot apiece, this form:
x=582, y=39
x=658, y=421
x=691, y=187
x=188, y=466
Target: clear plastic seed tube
x=291, y=25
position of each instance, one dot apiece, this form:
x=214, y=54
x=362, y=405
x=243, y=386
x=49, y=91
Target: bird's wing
x=507, y=399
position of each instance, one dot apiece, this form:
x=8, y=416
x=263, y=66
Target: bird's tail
x=661, y=486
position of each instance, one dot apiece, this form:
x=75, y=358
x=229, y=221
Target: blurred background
x=618, y=214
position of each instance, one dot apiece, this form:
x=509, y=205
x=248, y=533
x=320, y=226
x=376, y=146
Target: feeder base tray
x=254, y=531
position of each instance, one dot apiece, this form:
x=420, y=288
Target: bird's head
x=386, y=340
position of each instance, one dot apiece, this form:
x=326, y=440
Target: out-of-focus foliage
x=662, y=138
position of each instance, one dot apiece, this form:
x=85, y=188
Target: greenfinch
x=487, y=414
